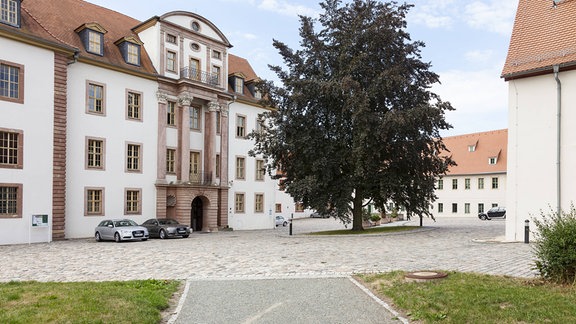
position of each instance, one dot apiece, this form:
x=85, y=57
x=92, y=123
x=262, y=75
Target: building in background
x=478, y=181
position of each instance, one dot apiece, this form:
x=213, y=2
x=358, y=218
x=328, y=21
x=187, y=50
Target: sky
x=466, y=44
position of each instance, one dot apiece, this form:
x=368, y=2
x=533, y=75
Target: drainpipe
x=558, y=138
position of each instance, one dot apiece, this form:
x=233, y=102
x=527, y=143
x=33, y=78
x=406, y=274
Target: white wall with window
x=245, y=179
x=472, y=192
x=123, y=184
x=26, y=141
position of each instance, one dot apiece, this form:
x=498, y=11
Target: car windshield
x=167, y=221
x=124, y=222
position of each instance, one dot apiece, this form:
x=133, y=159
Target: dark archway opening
x=197, y=214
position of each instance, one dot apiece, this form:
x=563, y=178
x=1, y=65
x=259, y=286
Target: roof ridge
x=46, y=29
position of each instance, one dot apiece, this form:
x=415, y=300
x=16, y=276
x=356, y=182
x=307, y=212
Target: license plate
x=138, y=234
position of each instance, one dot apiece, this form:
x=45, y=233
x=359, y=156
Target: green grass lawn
x=476, y=298
x=85, y=302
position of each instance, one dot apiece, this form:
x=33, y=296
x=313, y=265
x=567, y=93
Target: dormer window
x=239, y=85
x=130, y=48
x=492, y=160
x=471, y=148
x=257, y=94
x=92, y=36
x=10, y=12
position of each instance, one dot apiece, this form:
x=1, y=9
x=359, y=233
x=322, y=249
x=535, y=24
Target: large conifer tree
x=355, y=120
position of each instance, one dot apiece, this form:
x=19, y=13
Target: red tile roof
x=239, y=65
x=487, y=145
x=57, y=20
x=544, y=35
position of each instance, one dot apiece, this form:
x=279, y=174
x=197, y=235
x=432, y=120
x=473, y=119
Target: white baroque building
x=104, y=116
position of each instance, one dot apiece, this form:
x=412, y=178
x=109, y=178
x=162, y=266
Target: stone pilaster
x=185, y=101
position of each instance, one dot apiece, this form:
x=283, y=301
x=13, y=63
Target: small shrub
x=375, y=217
x=555, y=248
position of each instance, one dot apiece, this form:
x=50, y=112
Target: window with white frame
x=195, y=118
x=10, y=200
x=494, y=183
x=240, y=126
x=11, y=82
x=260, y=170
x=240, y=168
x=11, y=149
x=440, y=184
x=480, y=183
x=467, y=183
x=492, y=160
x=454, y=184
x=171, y=113
x=95, y=98
x=10, y=12
x=171, y=161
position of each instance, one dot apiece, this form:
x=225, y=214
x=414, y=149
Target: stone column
x=210, y=141
x=185, y=101
x=224, y=140
x=161, y=156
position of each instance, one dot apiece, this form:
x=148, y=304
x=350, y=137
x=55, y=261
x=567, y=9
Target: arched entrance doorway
x=197, y=214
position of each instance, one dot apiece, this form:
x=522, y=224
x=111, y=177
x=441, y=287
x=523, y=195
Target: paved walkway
x=448, y=244
x=307, y=276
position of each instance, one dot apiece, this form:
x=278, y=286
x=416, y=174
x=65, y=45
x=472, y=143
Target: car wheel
x=483, y=217
x=285, y=223
x=117, y=237
x=185, y=236
x=162, y=234
x=97, y=236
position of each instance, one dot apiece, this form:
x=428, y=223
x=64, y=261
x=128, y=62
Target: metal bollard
x=526, y=231
x=291, y=219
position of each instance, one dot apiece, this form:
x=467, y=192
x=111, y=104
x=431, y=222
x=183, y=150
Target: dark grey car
x=120, y=230
x=494, y=212
x=166, y=227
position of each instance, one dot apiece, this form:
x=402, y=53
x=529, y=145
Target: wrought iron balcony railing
x=201, y=178
x=194, y=74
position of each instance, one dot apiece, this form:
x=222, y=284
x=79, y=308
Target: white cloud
x=433, y=13
x=287, y=8
x=495, y=16
x=479, y=97
x=479, y=56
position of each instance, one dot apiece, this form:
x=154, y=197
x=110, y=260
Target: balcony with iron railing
x=211, y=79
x=201, y=178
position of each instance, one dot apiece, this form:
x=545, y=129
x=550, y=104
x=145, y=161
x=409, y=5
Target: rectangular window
x=494, y=205
x=492, y=160
x=171, y=61
x=215, y=75
x=11, y=149
x=454, y=184
x=134, y=105
x=132, y=55
x=95, y=99
x=218, y=122
x=240, y=168
x=259, y=203
x=10, y=200
x=194, y=163
x=195, y=118
x=171, y=113
x=133, y=202
x=95, y=153
x=240, y=126
x=471, y=148
x=11, y=82
x=9, y=12
x=94, y=42
x=133, y=157
x=480, y=208
x=480, y=183
x=278, y=208
x=440, y=184
x=467, y=183
x=239, y=203
x=494, y=183
x=467, y=208
x=454, y=207
x=299, y=207
x=170, y=38
x=239, y=85
x=260, y=170
x=94, y=202
x=171, y=161
x=217, y=55
x=440, y=207
x=217, y=165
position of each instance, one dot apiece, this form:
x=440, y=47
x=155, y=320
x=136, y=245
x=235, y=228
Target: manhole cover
x=425, y=275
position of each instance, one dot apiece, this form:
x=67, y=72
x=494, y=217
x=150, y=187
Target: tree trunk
x=357, y=212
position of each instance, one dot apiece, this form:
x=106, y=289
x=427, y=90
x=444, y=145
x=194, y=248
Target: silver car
x=120, y=230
